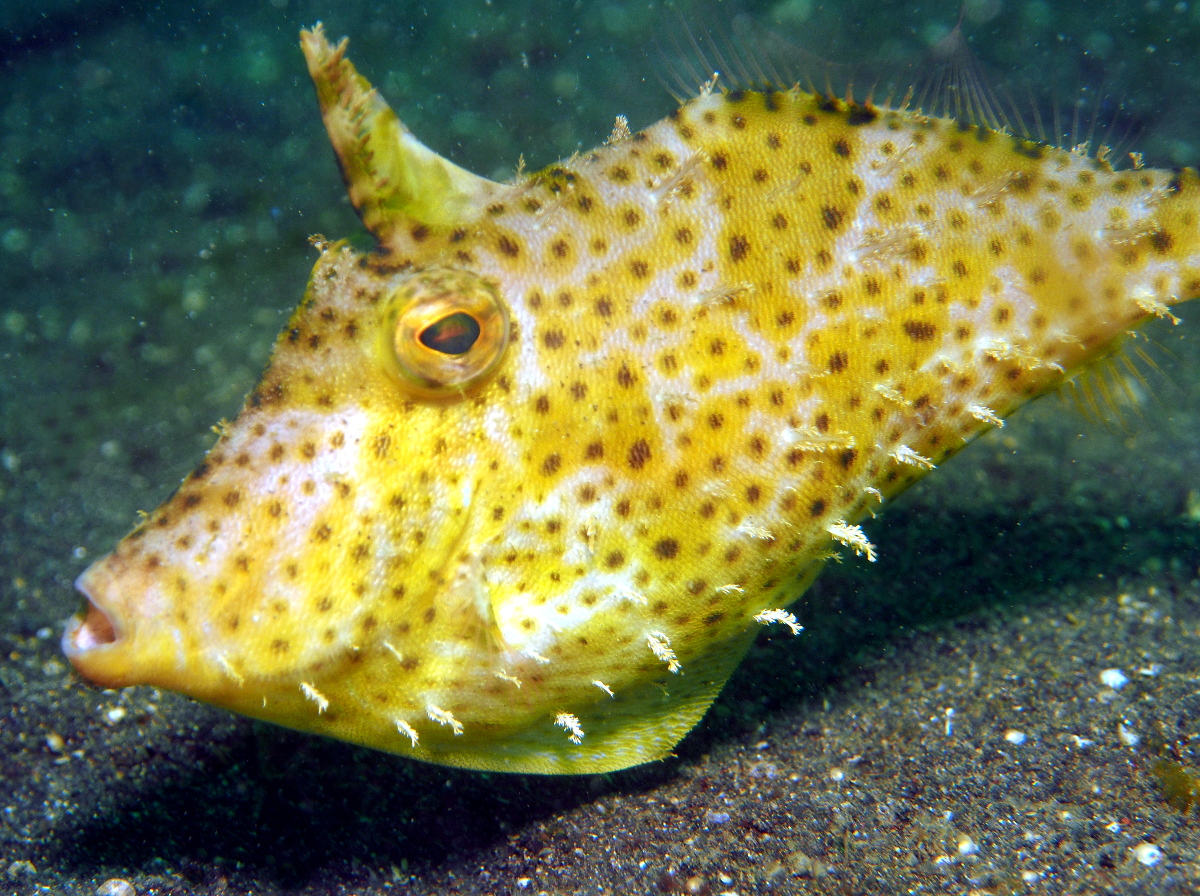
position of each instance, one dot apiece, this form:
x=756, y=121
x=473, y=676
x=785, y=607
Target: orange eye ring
x=446, y=331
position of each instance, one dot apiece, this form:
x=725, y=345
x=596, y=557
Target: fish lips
x=97, y=639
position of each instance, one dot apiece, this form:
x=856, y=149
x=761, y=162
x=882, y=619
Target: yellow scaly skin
x=729, y=337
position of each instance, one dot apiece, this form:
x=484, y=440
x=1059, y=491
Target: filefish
x=519, y=486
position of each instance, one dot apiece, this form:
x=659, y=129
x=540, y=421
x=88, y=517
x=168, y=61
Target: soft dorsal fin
x=395, y=181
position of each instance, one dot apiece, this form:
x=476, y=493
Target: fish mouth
x=94, y=637
x=95, y=629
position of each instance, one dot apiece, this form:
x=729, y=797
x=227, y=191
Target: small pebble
x=115, y=886
x=194, y=301
x=1013, y=736
x=80, y=332
x=15, y=240
x=114, y=715
x=1113, y=678
x=55, y=742
x=15, y=322
x=1128, y=736
x=1148, y=854
x=21, y=868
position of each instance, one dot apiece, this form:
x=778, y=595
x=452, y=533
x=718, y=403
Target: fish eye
x=446, y=329
x=454, y=334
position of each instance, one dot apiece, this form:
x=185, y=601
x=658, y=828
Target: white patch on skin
x=330, y=465
x=668, y=185
x=610, y=588
x=532, y=374
x=812, y=439
x=497, y=426
x=205, y=556
x=467, y=591
x=228, y=669
x=758, y=341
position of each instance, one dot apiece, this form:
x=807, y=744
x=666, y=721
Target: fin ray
x=393, y=179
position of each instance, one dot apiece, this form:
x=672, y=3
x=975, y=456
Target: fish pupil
x=454, y=334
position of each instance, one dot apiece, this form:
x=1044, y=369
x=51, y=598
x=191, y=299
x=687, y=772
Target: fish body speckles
x=518, y=490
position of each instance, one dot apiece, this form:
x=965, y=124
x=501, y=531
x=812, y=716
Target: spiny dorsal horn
x=394, y=180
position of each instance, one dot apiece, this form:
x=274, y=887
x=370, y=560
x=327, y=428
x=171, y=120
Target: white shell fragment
x=1114, y=678
x=1148, y=854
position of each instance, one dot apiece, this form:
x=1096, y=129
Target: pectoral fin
x=637, y=725
x=395, y=181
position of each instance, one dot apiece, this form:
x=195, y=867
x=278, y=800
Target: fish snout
x=97, y=639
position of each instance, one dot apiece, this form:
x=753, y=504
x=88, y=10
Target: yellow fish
x=518, y=489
